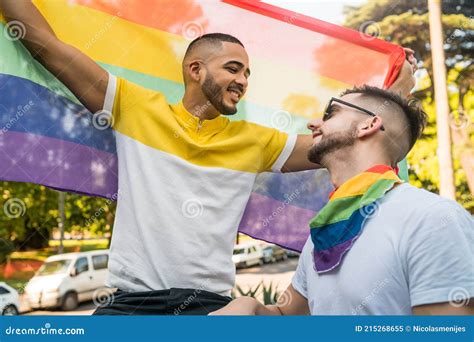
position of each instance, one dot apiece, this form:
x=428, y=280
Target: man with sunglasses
x=380, y=246
x=175, y=161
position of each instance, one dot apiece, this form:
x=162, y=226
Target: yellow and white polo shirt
x=183, y=188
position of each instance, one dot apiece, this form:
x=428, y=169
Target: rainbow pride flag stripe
x=340, y=222
x=47, y=137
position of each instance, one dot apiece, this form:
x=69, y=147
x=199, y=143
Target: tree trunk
x=446, y=187
x=464, y=148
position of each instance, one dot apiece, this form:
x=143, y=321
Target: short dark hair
x=213, y=38
x=414, y=113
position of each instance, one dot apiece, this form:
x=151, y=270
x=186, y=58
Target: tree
x=406, y=24
x=29, y=213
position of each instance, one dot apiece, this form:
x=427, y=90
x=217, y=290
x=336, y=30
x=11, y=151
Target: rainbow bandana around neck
x=340, y=222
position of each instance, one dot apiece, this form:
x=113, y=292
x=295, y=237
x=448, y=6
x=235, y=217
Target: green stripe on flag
x=342, y=208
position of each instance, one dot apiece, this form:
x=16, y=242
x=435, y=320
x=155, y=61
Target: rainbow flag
x=341, y=221
x=298, y=63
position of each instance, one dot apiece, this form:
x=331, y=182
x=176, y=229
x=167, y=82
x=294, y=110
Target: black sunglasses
x=327, y=111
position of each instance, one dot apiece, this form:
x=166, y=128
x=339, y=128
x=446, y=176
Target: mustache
x=236, y=86
x=318, y=132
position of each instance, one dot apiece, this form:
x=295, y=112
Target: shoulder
x=130, y=90
x=417, y=211
x=413, y=199
x=425, y=217
x=435, y=207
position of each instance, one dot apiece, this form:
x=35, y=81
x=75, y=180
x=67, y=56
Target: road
x=279, y=274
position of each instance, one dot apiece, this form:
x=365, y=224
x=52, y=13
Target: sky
x=326, y=10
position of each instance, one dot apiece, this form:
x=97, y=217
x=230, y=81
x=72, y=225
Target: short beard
x=214, y=94
x=331, y=143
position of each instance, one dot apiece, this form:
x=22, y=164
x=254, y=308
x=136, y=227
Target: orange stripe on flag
x=299, y=41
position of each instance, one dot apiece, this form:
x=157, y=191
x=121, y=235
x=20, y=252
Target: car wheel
x=10, y=310
x=70, y=301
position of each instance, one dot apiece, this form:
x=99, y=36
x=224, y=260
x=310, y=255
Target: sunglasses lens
x=328, y=111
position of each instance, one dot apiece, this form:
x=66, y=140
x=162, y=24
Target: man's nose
x=243, y=81
x=314, y=124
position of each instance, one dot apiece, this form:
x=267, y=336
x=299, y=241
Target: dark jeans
x=163, y=302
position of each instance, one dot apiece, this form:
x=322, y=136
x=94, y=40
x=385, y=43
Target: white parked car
x=247, y=254
x=65, y=280
x=273, y=253
x=9, y=302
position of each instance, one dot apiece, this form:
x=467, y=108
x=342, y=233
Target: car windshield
x=239, y=251
x=54, y=267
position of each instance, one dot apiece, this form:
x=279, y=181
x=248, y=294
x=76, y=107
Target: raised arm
x=298, y=159
x=86, y=80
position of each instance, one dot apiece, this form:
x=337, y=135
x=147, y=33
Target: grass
x=69, y=247
x=84, y=245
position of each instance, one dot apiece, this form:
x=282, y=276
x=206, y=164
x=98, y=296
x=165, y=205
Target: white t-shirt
x=417, y=249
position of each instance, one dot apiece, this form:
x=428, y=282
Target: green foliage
x=250, y=292
x=406, y=23
x=29, y=213
x=269, y=293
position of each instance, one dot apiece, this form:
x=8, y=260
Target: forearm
x=37, y=34
x=267, y=310
x=85, y=78
x=247, y=306
x=260, y=309
x=298, y=159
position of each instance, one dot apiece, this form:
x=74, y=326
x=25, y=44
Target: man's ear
x=370, y=126
x=194, y=69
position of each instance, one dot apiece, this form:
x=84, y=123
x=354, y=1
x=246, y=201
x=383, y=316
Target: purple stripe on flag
x=59, y=164
x=327, y=259
x=278, y=222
